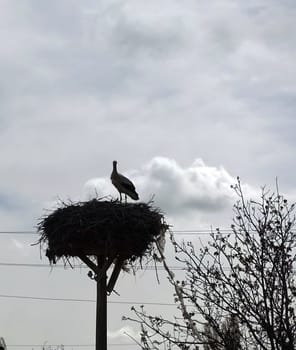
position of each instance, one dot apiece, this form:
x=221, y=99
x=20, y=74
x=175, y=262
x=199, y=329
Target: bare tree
x=229, y=339
x=239, y=290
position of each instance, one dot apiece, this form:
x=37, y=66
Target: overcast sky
x=186, y=95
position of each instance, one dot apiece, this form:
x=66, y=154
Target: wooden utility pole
x=101, y=311
x=100, y=276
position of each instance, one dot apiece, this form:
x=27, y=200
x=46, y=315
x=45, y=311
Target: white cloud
x=197, y=190
x=98, y=188
x=197, y=187
x=187, y=77
x=18, y=244
x=165, y=179
x=21, y=249
x=123, y=334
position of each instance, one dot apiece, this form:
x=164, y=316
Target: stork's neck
x=115, y=166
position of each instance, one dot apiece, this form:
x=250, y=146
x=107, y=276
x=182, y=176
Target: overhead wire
x=32, y=232
x=178, y=232
x=30, y=297
x=60, y=346
x=31, y=265
x=13, y=264
x=196, y=232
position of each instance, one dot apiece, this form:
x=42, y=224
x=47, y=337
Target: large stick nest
x=98, y=227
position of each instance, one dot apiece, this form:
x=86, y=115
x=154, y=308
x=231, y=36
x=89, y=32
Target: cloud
x=196, y=196
x=123, y=334
x=197, y=189
x=24, y=250
x=93, y=74
x=99, y=188
x=179, y=189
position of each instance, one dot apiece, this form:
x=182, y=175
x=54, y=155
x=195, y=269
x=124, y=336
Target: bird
x=123, y=184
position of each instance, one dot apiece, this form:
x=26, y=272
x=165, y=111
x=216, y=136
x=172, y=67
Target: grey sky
x=185, y=95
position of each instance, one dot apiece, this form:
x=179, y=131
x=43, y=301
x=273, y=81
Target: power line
x=177, y=232
x=47, y=298
x=29, y=232
x=82, y=300
x=45, y=346
x=11, y=264
x=205, y=231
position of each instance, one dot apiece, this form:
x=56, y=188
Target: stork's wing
x=126, y=183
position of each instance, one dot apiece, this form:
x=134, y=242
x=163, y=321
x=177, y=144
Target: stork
x=123, y=184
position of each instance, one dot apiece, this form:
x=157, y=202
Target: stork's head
x=114, y=164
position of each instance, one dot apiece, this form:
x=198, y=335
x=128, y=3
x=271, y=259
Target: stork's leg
x=120, y=197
